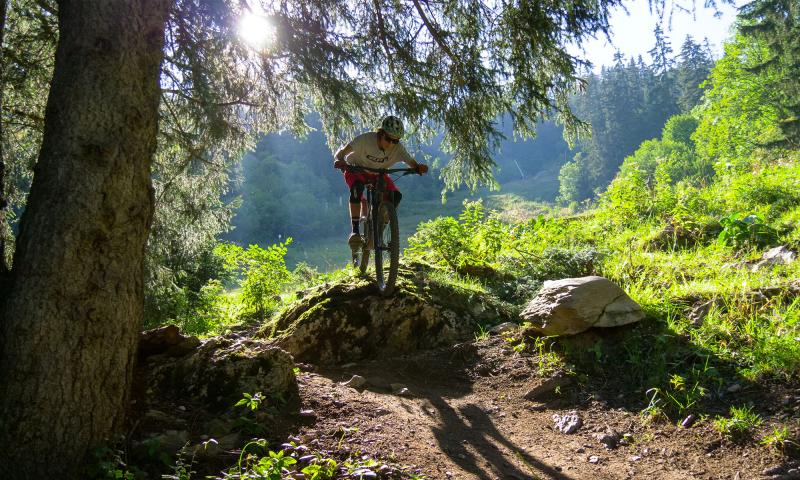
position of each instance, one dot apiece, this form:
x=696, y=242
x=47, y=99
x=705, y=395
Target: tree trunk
x=3, y=203
x=71, y=320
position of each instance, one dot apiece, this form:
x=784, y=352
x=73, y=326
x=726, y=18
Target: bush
x=471, y=243
x=679, y=128
x=262, y=273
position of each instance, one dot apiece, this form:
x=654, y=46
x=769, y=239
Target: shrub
x=474, y=240
x=262, y=273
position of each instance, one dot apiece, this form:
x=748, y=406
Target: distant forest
x=288, y=188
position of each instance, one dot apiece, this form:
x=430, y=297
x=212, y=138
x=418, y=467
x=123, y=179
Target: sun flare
x=256, y=30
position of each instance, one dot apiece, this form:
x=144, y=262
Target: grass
x=739, y=425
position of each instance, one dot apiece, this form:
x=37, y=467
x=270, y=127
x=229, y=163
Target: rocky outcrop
x=219, y=371
x=345, y=322
x=573, y=305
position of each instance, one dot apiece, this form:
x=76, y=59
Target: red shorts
x=366, y=178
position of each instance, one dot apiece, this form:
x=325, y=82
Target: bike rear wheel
x=386, y=246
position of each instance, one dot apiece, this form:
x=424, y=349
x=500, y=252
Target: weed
x=778, y=438
x=740, y=425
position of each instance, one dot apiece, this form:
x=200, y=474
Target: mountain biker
x=380, y=149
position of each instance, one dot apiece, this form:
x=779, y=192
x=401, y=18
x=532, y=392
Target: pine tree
x=693, y=66
x=777, y=22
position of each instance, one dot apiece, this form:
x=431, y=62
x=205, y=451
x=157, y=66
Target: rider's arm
x=409, y=160
x=339, y=159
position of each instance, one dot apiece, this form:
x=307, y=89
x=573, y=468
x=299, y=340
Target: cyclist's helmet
x=393, y=126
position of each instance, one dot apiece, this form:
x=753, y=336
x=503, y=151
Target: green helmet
x=393, y=126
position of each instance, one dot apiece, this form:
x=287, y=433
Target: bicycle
x=382, y=226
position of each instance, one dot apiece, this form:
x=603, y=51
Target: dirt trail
x=466, y=417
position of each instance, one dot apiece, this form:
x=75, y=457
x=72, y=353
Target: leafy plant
x=682, y=392
x=740, y=424
x=778, y=438
x=746, y=231
x=262, y=271
x=253, y=402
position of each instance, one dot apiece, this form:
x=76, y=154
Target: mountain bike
x=379, y=223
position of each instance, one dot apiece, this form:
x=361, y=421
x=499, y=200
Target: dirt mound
x=347, y=322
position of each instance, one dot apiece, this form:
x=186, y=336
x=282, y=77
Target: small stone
x=594, y=459
x=635, y=458
x=182, y=408
x=546, y=388
x=307, y=413
x=774, y=470
x=503, y=328
x=609, y=439
x=355, y=381
x=733, y=388
x=397, y=387
x=568, y=423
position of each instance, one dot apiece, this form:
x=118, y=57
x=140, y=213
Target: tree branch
x=434, y=31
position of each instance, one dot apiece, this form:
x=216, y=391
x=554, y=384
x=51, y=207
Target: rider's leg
x=356, y=200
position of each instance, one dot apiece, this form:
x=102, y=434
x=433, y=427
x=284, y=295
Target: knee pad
x=356, y=192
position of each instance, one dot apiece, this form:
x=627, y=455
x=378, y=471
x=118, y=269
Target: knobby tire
x=390, y=238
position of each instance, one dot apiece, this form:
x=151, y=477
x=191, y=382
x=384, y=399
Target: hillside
x=427, y=391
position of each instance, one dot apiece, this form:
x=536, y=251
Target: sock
x=355, y=224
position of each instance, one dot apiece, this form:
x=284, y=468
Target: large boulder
x=573, y=305
x=349, y=322
x=219, y=371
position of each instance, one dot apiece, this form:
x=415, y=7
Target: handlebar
x=384, y=171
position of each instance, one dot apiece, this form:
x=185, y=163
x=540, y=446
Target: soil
x=464, y=415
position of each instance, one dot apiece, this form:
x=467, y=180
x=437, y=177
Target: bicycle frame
x=375, y=192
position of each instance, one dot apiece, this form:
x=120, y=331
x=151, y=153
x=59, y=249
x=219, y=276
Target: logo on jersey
x=377, y=159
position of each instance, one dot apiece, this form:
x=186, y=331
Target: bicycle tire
x=367, y=229
x=387, y=247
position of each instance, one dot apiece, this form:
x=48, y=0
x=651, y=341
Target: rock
x=733, y=388
x=594, y=459
x=346, y=323
x=700, y=311
x=573, y=305
x=218, y=372
x=166, y=339
x=503, y=328
x=170, y=441
x=356, y=381
x=609, y=439
x=546, y=388
x=775, y=256
x=397, y=388
x=568, y=423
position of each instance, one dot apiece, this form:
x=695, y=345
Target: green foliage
x=293, y=460
x=779, y=437
x=739, y=113
x=574, y=180
x=744, y=231
x=777, y=24
x=740, y=424
x=683, y=392
x=190, y=294
x=647, y=183
x=253, y=402
x=262, y=271
x=679, y=128
x=472, y=241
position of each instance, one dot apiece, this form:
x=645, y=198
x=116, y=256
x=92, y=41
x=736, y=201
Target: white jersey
x=367, y=154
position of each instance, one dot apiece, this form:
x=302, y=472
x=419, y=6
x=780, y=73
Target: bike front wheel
x=386, y=246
